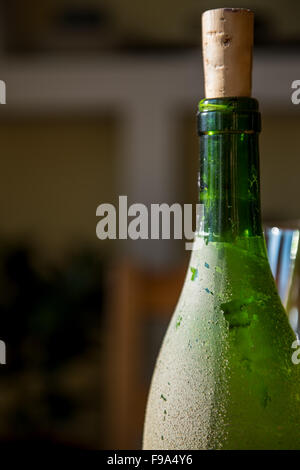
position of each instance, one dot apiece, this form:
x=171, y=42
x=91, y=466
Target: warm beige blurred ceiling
x=153, y=22
x=178, y=20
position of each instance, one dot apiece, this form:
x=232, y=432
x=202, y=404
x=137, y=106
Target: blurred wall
x=54, y=173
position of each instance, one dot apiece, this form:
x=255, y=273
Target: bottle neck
x=229, y=187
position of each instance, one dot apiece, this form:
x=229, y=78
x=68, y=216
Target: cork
x=227, y=35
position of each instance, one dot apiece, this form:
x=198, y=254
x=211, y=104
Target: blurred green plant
x=51, y=322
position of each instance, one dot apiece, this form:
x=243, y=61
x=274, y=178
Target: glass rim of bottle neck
x=229, y=104
x=228, y=115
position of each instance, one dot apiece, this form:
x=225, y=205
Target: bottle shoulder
x=227, y=271
x=230, y=294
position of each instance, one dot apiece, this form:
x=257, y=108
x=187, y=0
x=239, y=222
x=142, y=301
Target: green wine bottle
x=224, y=378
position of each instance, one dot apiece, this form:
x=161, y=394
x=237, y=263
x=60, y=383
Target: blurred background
x=101, y=102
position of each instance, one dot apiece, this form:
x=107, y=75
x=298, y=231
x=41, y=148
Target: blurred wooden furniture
x=135, y=294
